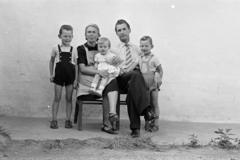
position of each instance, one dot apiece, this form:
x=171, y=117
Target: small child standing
x=102, y=62
x=62, y=73
x=152, y=72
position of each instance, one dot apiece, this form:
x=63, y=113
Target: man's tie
x=128, y=56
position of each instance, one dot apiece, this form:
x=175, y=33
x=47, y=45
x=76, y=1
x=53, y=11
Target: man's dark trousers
x=138, y=97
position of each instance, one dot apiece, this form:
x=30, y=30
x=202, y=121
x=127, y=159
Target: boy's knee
x=68, y=99
x=57, y=99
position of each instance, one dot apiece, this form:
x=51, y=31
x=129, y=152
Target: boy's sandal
x=113, y=117
x=54, y=124
x=68, y=124
x=108, y=130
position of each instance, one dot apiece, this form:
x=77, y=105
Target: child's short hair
x=104, y=39
x=144, y=38
x=121, y=21
x=66, y=27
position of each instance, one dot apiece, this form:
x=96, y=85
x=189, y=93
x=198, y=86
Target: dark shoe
x=54, y=124
x=113, y=117
x=68, y=124
x=149, y=115
x=108, y=130
x=135, y=133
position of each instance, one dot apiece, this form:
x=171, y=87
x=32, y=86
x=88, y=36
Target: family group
x=101, y=70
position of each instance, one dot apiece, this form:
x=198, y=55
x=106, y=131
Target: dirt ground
x=108, y=149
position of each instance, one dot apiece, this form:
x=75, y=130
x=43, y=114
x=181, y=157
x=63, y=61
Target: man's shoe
x=135, y=133
x=149, y=115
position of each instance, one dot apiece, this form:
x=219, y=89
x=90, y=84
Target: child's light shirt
x=103, y=63
x=55, y=53
x=153, y=63
x=103, y=60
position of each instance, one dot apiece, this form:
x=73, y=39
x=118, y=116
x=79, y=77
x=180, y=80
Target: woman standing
x=86, y=53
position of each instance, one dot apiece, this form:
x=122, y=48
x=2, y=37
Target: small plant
x=224, y=140
x=4, y=133
x=194, y=142
x=174, y=145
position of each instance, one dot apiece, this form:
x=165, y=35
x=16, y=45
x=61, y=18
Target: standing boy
x=152, y=72
x=62, y=73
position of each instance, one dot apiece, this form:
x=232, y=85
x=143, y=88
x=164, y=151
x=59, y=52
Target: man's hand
x=158, y=78
x=122, y=70
x=103, y=73
x=116, y=60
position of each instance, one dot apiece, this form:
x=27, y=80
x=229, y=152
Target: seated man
x=138, y=99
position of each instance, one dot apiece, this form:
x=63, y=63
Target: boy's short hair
x=104, y=39
x=121, y=21
x=144, y=38
x=95, y=26
x=66, y=27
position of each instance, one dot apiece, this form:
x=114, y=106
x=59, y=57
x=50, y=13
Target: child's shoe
x=113, y=117
x=98, y=92
x=147, y=126
x=54, y=124
x=92, y=90
x=68, y=124
x=155, y=128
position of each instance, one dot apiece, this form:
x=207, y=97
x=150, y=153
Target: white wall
x=197, y=42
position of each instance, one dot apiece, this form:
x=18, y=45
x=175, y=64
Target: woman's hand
x=75, y=84
x=103, y=73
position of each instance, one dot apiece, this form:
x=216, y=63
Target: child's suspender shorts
x=64, y=70
x=147, y=74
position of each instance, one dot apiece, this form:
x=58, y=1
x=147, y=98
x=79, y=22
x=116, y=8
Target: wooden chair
x=94, y=100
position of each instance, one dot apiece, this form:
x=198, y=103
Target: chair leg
x=118, y=112
x=76, y=113
x=80, y=103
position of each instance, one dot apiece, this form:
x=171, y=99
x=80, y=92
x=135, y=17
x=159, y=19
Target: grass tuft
x=4, y=133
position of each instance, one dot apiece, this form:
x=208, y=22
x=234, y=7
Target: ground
x=32, y=139
x=99, y=148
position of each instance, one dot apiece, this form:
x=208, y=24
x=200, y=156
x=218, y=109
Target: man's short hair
x=121, y=21
x=104, y=39
x=144, y=38
x=66, y=27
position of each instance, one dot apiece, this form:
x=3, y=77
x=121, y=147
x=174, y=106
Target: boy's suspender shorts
x=64, y=70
